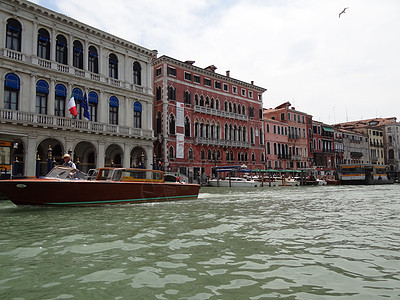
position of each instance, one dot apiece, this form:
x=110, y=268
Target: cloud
x=300, y=50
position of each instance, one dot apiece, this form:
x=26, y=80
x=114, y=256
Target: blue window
x=59, y=100
x=42, y=91
x=43, y=50
x=78, y=55
x=113, y=66
x=137, y=73
x=93, y=60
x=113, y=110
x=14, y=30
x=61, y=50
x=78, y=97
x=11, y=91
x=93, y=99
x=137, y=115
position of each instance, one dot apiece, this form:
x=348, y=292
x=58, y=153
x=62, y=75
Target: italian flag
x=72, y=106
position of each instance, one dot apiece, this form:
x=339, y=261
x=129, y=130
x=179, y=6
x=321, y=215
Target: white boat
x=287, y=181
x=234, y=182
x=321, y=182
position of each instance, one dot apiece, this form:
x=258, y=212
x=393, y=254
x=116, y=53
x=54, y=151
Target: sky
x=335, y=69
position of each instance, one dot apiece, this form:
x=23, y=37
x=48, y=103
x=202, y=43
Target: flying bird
x=343, y=11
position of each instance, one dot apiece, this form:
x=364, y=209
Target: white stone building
x=45, y=58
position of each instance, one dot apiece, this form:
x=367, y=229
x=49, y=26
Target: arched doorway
x=138, y=158
x=113, y=157
x=50, y=152
x=85, y=156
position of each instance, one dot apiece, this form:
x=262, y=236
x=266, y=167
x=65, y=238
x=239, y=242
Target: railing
x=222, y=143
x=49, y=64
x=220, y=113
x=36, y=120
x=296, y=157
x=14, y=54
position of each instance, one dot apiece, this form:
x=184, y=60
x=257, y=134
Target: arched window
x=202, y=154
x=137, y=115
x=262, y=157
x=171, y=152
x=113, y=66
x=93, y=99
x=113, y=110
x=187, y=127
x=268, y=148
x=187, y=97
x=43, y=46
x=244, y=134
x=93, y=60
x=201, y=100
x=61, y=50
x=11, y=91
x=59, y=100
x=209, y=157
x=251, y=135
x=137, y=73
x=158, y=93
x=212, y=105
x=158, y=123
x=226, y=106
x=171, y=93
x=78, y=97
x=190, y=153
x=253, y=157
x=196, y=99
x=42, y=91
x=226, y=132
x=171, y=124
x=261, y=135
x=78, y=55
x=14, y=33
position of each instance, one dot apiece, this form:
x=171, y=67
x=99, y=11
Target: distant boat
x=103, y=186
x=234, y=182
x=364, y=174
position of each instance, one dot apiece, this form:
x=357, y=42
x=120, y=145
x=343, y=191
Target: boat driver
x=68, y=162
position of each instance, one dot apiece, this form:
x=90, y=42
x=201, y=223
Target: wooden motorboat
x=104, y=186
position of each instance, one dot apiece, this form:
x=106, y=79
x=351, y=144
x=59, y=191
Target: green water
x=292, y=243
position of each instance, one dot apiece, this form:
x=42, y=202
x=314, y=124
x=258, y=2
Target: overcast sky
x=336, y=69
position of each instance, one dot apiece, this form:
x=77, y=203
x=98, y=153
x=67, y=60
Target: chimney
x=211, y=68
x=252, y=82
x=228, y=73
x=190, y=62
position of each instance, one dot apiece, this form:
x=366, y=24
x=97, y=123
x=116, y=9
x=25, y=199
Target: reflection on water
x=296, y=242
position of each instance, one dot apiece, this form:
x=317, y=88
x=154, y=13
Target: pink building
x=204, y=119
x=276, y=144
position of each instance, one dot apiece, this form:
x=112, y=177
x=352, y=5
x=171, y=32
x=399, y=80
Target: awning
x=327, y=129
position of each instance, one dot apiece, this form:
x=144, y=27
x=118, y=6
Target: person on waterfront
x=68, y=162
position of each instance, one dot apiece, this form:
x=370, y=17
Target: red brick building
x=204, y=119
x=298, y=128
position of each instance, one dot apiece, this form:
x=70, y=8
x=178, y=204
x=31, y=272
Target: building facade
x=45, y=58
x=298, y=124
x=204, y=119
x=277, y=144
x=323, y=146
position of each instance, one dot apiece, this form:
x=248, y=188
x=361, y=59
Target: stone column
x=51, y=98
x=100, y=155
x=30, y=165
x=127, y=156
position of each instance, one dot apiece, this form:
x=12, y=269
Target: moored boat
x=104, y=186
x=364, y=174
x=234, y=182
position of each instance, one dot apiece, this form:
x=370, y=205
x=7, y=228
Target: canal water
x=291, y=242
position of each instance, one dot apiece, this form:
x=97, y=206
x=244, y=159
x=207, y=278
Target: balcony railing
x=220, y=113
x=37, y=120
x=49, y=64
x=221, y=143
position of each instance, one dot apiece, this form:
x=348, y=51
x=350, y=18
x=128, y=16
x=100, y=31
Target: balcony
x=221, y=143
x=219, y=113
x=70, y=70
x=48, y=121
x=296, y=157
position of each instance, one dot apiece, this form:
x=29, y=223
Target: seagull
x=343, y=11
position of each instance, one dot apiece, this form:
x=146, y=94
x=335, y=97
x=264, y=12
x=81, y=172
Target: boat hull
x=48, y=192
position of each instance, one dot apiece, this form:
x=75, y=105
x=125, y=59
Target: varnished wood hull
x=52, y=192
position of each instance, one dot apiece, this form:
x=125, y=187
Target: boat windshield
x=65, y=173
x=136, y=175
